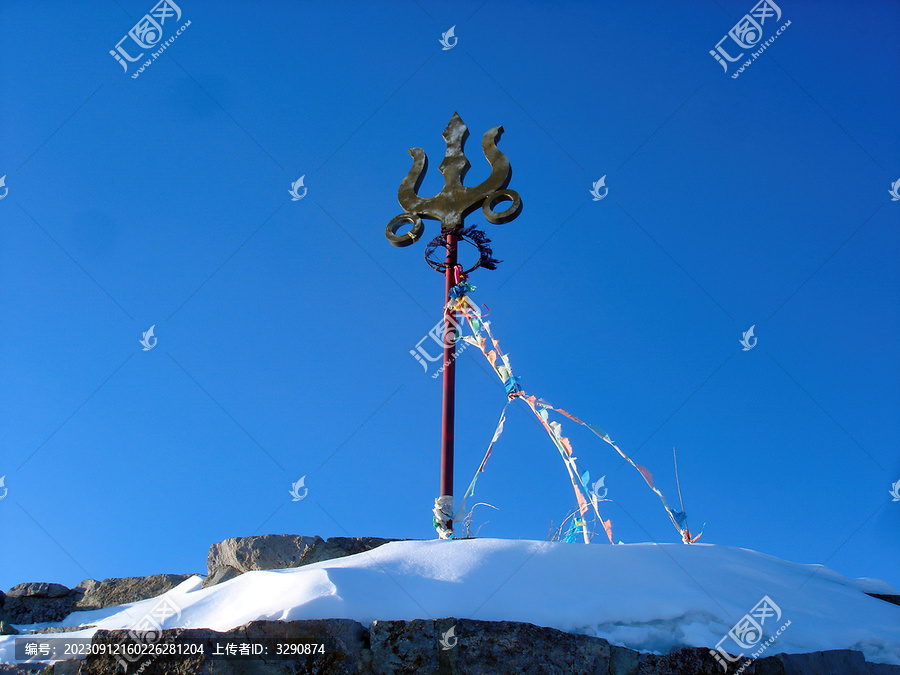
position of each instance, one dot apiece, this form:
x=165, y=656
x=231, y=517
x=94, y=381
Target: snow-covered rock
x=648, y=597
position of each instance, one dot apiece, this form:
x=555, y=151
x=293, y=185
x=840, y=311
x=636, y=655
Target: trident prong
x=455, y=201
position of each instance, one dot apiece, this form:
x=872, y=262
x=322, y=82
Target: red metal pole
x=449, y=402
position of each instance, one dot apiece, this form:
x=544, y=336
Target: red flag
x=646, y=474
x=607, y=525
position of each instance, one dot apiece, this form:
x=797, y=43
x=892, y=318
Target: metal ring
x=407, y=238
x=503, y=216
x=470, y=235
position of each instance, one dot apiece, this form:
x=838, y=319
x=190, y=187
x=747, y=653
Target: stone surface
x=59, y=629
x=623, y=661
x=5, y=627
x=481, y=648
x=45, y=602
x=35, y=609
x=38, y=589
x=404, y=646
x=695, y=660
x=344, y=650
x=10, y=669
x=832, y=662
x=346, y=643
x=221, y=574
x=237, y=555
x=118, y=591
x=267, y=552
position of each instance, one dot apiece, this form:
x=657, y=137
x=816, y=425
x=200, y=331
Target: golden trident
x=455, y=201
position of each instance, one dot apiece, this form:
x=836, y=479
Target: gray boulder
x=35, y=603
x=5, y=628
x=121, y=590
x=38, y=589
x=229, y=558
x=42, y=602
x=221, y=574
x=266, y=552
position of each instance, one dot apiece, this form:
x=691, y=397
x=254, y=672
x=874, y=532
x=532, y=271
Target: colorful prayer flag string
x=501, y=365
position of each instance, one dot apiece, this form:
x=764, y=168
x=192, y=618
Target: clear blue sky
x=284, y=327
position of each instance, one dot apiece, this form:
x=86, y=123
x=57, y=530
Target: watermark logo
x=595, y=490
x=146, y=34
x=146, y=632
x=446, y=37
x=295, y=490
x=6, y=189
x=895, y=491
x=145, y=341
x=894, y=191
x=448, y=638
x=6, y=489
x=747, y=33
x=747, y=633
x=437, y=335
x=748, y=334
x=595, y=190
x=297, y=184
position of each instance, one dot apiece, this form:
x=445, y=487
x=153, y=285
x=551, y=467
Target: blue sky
x=284, y=327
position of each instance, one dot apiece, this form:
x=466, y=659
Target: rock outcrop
x=37, y=602
x=5, y=627
x=442, y=646
x=120, y=590
x=7, y=669
x=41, y=602
x=39, y=589
x=227, y=559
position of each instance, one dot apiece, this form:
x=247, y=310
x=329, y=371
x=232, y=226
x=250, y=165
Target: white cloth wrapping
x=443, y=516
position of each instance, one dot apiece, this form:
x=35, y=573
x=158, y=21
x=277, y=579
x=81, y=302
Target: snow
x=649, y=597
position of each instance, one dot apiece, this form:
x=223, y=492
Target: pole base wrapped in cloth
x=443, y=516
